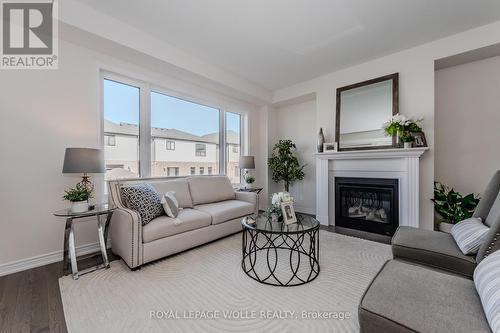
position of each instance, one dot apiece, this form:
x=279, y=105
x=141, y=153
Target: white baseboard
x=45, y=259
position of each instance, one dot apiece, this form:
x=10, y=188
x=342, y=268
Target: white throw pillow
x=170, y=204
x=469, y=234
x=487, y=281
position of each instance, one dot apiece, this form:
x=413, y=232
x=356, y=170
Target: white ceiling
x=277, y=43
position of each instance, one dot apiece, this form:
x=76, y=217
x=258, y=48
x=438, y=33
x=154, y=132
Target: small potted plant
x=249, y=180
x=79, y=199
x=452, y=206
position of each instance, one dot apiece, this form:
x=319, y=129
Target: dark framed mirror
x=362, y=109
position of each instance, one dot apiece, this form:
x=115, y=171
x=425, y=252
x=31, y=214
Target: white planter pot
x=79, y=207
x=445, y=227
x=407, y=145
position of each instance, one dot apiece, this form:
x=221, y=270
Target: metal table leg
x=72, y=252
x=66, y=246
x=102, y=234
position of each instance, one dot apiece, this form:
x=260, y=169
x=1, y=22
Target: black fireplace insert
x=367, y=204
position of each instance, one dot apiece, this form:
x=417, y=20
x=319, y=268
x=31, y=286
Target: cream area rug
x=205, y=290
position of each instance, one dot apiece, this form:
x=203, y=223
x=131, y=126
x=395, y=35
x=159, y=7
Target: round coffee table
x=278, y=254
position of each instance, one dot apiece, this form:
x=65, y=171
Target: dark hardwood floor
x=30, y=301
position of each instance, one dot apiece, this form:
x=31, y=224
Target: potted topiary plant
x=79, y=199
x=452, y=206
x=401, y=127
x=284, y=165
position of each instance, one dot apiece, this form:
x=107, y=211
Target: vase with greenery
x=402, y=127
x=79, y=199
x=452, y=206
x=284, y=165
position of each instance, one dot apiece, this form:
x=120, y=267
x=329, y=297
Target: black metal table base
x=301, y=248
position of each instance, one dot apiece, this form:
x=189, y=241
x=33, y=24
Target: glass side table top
x=264, y=223
x=98, y=209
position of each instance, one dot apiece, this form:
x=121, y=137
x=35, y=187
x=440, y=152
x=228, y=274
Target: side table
x=103, y=213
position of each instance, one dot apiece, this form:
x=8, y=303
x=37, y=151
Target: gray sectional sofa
x=428, y=287
x=211, y=209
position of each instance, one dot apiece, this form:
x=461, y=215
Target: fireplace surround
x=398, y=163
x=367, y=204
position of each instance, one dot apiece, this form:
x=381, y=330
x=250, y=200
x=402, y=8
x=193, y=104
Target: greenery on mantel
x=451, y=205
x=284, y=164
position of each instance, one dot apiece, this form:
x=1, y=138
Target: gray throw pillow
x=144, y=199
x=170, y=204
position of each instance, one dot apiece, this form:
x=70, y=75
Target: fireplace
x=367, y=204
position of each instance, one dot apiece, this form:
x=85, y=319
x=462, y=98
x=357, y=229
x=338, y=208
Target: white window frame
x=145, y=89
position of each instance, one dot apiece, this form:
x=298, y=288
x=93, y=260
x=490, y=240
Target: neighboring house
x=174, y=153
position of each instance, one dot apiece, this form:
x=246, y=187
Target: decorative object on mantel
x=419, y=139
x=82, y=161
x=452, y=206
x=284, y=165
x=404, y=128
x=247, y=162
x=321, y=140
x=277, y=199
x=329, y=146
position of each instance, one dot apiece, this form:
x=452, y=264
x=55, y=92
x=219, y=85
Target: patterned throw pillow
x=469, y=234
x=487, y=281
x=144, y=199
x=170, y=204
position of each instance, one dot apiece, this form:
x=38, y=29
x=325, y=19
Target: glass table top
x=98, y=209
x=264, y=223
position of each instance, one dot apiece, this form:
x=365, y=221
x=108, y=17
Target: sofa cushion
x=208, y=189
x=487, y=280
x=431, y=248
x=179, y=186
x=144, y=199
x=469, y=234
x=226, y=210
x=164, y=226
x=491, y=243
x=405, y=297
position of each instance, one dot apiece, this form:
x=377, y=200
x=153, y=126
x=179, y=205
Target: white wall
x=297, y=122
x=468, y=124
x=416, y=87
x=45, y=111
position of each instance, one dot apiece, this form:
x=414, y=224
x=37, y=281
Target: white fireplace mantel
x=398, y=163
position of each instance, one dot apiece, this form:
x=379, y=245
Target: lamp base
x=85, y=184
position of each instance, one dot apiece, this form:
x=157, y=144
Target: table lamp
x=84, y=161
x=246, y=162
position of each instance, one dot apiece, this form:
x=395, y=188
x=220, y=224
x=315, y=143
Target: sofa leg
x=138, y=268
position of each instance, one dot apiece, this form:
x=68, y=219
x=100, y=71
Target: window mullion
x=222, y=142
x=145, y=132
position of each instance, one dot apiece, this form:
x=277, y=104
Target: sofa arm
x=126, y=236
x=250, y=197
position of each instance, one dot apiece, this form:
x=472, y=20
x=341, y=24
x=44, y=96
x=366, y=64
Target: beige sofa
x=211, y=209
